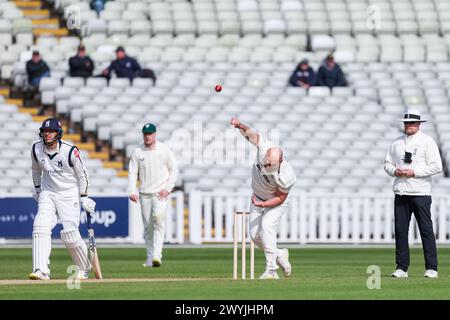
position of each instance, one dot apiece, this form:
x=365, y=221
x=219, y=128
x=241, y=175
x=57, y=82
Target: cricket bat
x=93, y=256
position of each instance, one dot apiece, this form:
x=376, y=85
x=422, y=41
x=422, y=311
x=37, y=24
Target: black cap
x=304, y=61
x=35, y=53
x=120, y=48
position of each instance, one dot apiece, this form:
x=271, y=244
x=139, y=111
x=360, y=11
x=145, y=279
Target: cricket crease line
x=112, y=280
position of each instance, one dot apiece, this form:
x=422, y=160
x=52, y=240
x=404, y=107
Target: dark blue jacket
x=332, y=78
x=125, y=68
x=308, y=76
x=35, y=70
x=81, y=66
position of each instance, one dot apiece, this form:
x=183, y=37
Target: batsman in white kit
x=61, y=184
x=272, y=179
x=154, y=164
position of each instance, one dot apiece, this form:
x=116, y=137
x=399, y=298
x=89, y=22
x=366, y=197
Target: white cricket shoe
x=269, y=274
x=39, y=275
x=431, y=274
x=82, y=275
x=283, y=262
x=147, y=264
x=156, y=262
x=399, y=273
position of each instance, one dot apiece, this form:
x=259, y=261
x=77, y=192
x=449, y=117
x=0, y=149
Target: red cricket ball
x=218, y=88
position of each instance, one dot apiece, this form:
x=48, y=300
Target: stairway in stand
x=44, y=21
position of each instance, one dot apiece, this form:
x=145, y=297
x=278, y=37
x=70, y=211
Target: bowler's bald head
x=273, y=157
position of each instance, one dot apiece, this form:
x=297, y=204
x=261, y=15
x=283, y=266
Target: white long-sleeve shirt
x=60, y=171
x=156, y=169
x=426, y=162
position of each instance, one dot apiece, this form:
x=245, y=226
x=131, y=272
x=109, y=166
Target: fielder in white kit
x=153, y=163
x=61, y=183
x=272, y=179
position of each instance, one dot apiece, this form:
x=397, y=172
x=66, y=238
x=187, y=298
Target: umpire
x=412, y=159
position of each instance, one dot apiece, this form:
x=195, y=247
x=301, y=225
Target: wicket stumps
x=243, y=215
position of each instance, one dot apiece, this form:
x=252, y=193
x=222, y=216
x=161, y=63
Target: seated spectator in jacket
x=303, y=76
x=36, y=69
x=124, y=66
x=330, y=74
x=81, y=65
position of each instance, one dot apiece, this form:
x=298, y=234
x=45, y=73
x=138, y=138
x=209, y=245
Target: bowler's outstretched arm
x=246, y=131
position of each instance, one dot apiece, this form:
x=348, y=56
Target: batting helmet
x=51, y=124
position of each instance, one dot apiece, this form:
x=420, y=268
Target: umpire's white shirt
x=265, y=184
x=60, y=171
x=155, y=168
x=426, y=161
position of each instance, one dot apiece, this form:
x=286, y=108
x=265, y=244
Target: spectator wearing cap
x=36, y=69
x=154, y=165
x=81, y=65
x=330, y=74
x=413, y=159
x=303, y=76
x=124, y=66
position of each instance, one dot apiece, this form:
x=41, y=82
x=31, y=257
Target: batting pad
x=42, y=244
x=77, y=248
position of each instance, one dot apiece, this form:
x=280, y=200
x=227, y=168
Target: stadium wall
x=116, y=220
x=312, y=218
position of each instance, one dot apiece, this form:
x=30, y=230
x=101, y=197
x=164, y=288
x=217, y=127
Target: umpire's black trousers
x=404, y=207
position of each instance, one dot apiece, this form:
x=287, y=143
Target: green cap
x=149, y=128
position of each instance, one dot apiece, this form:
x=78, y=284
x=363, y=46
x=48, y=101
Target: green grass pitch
x=205, y=273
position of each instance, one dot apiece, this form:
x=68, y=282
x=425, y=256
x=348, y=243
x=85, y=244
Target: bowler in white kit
x=272, y=179
x=61, y=184
x=154, y=165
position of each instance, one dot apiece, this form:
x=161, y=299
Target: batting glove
x=87, y=204
x=36, y=193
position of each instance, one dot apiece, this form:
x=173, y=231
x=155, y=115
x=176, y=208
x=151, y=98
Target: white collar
x=48, y=151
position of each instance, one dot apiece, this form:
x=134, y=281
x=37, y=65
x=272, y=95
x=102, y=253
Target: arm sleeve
x=74, y=63
x=173, y=170
x=36, y=171
x=433, y=162
x=320, y=77
x=293, y=79
x=287, y=180
x=389, y=164
x=136, y=65
x=312, y=78
x=133, y=170
x=45, y=67
x=31, y=70
x=80, y=170
x=341, y=82
x=111, y=67
x=91, y=66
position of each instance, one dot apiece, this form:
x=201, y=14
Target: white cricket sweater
x=156, y=169
x=426, y=162
x=60, y=171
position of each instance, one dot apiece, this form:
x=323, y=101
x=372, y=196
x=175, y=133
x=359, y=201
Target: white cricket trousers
x=263, y=230
x=52, y=206
x=154, y=219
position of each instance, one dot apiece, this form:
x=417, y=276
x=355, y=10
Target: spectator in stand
x=36, y=69
x=81, y=65
x=303, y=76
x=330, y=74
x=124, y=66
